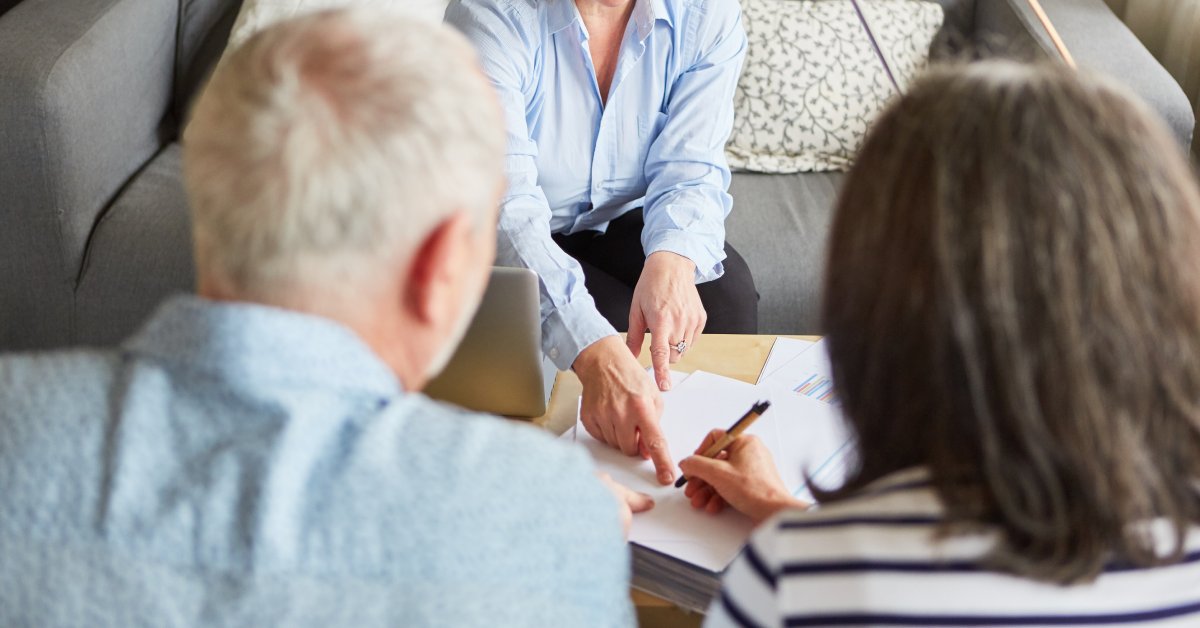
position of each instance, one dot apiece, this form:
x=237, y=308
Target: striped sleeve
x=749, y=588
x=877, y=559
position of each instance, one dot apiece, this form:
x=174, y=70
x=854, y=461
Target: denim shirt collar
x=249, y=342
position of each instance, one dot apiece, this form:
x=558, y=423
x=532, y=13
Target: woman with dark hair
x=1012, y=308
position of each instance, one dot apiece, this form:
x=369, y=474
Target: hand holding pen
x=739, y=426
x=742, y=474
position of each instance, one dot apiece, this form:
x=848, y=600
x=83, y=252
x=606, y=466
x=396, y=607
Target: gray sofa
x=93, y=220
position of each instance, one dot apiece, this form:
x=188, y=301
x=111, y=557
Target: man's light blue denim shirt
x=575, y=164
x=238, y=465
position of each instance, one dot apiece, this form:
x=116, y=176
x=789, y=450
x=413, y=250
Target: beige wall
x=1170, y=29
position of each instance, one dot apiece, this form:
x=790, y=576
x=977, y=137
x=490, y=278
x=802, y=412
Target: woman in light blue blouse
x=617, y=113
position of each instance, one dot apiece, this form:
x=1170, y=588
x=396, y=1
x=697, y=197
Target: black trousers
x=613, y=261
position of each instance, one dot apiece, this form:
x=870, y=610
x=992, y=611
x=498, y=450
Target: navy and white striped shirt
x=873, y=560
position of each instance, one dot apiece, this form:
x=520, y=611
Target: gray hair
x=1012, y=299
x=328, y=146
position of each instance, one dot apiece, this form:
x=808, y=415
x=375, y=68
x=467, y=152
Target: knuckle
x=643, y=404
x=647, y=406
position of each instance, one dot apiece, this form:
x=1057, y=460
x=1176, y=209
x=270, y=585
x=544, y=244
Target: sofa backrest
x=204, y=27
x=960, y=15
x=959, y=27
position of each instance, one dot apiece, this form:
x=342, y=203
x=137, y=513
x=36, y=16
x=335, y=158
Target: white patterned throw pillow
x=812, y=83
x=256, y=15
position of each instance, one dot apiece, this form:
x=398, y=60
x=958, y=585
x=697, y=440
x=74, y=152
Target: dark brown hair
x=1013, y=301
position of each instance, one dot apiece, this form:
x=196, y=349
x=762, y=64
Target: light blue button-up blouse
x=576, y=164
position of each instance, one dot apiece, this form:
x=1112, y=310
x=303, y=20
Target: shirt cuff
x=571, y=328
x=703, y=254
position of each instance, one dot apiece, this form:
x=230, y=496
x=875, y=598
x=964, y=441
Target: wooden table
x=737, y=356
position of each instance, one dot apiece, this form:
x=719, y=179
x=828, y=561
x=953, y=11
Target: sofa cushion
x=779, y=224
x=139, y=253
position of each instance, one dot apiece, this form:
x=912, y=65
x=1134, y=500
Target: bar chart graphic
x=819, y=387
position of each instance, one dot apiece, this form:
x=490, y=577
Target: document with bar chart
x=817, y=386
x=802, y=367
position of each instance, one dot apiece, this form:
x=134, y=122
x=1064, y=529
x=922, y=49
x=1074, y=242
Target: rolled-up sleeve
x=569, y=318
x=687, y=198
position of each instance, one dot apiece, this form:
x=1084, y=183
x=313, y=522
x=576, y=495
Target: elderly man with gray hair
x=257, y=455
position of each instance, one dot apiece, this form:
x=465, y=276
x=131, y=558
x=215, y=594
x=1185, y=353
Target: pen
x=741, y=425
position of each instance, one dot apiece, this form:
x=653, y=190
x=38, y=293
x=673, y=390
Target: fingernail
x=665, y=385
x=665, y=477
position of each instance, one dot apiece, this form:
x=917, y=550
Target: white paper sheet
x=783, y=350
x=803, y=368
x=806, y=373
x=801, y=433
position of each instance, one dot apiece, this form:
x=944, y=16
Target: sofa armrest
x=86, y=87
x=1100, y=42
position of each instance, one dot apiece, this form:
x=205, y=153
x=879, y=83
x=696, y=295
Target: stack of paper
x=679, y=552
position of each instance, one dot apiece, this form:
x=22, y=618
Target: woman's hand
x=743, y=476
x=620, y=406
x=666, y=303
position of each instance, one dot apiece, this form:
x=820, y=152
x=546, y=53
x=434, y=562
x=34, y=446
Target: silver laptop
x=498, y=367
